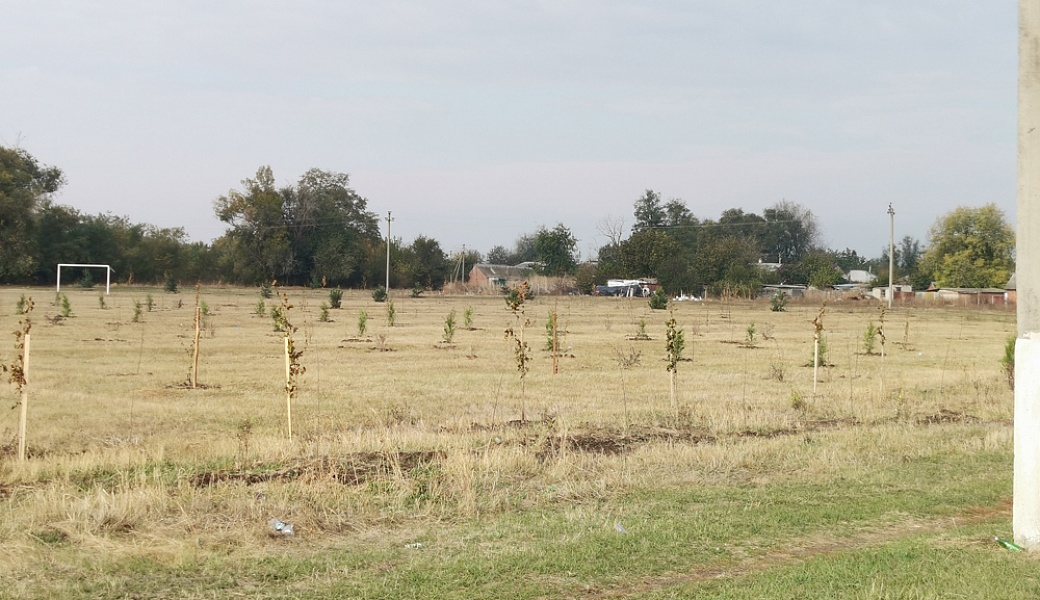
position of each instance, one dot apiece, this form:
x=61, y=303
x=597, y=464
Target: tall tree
x=422, y=263
x=971, y=247
x=681, y=224
x=555, y=250
x=327, y=222
x=649, y=212
x=25, y=188
x=790, y=232
x=260, y=243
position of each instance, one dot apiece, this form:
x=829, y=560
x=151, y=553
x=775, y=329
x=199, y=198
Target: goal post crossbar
x=108, y=274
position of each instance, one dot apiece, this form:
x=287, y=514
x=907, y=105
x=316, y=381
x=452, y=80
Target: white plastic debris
x=620, y=529
x=281, y=527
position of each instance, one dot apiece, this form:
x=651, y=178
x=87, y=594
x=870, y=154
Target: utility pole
x=1026, y=508
x=891, y=251
x=464, y=264
x=389, y=219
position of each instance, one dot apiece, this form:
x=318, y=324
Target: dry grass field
x=411, y=474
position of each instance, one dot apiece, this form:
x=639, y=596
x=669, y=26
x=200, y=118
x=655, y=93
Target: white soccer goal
x=108, y=274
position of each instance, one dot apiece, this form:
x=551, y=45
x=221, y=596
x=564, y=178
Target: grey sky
x=478, y=121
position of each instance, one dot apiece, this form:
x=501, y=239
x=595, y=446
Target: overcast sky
x=478, y=121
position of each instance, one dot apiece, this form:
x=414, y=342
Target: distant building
x=860, y=276
x=496, y=276
x=1011, y=291
x=900, y=292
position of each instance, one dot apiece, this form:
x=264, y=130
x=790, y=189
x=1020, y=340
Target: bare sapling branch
x=515, y=333
x=19, y=371
x=293, y=367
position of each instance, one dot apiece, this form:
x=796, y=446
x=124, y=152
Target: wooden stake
x=288, y=386
x=195, y=352
x=556, y=345
x=23, y=418
x=815, y=361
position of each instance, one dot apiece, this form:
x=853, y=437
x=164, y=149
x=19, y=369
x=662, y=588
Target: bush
x=66, y=307
x=379, y=294
x=778, y=303
x=265, y=290
x=335, y=298
x=659, y=300
x=449, y=327
x=417, y=290
x=170, y=285
x=324, y=315
x=362, y=323
x=869, y=338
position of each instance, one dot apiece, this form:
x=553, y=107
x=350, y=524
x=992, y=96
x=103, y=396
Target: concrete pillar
x=1026, y=519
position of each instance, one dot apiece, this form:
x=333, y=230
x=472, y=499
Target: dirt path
x=800, y=550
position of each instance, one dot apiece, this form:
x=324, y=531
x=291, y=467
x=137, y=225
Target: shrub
x=822, y=359
x=170, y=285
x=869, y=338
x=138, y=309
x=449, y=327
x=324, y=315
x=335, y=298
x=149, y=302
x=66, y=307
x=260, y=309
x=277, y=317
x=467, y=317
x=391, y=313
x=379, y=294
x=778, y=303
x=749, y=336
x=87, y=281
x=362, y=323
x=659, y=300
x=417, y=290
x=265, y=290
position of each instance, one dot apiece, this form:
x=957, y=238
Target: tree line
x=319, y=231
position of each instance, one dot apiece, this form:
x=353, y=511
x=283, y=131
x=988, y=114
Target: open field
x=410, y=473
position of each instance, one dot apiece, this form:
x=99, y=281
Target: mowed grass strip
x=677, y=537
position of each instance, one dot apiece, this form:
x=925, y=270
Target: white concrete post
x=389, y=219
x=1026, y=511
x=891, y=252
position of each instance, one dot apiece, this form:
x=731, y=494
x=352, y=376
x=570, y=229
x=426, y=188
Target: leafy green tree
x=25, y=189
x=499, y=255
x=818, y=268
x=971, y=247
x=649, y=212
x=555, y=250
x=586, y=277
x=523, y=251
x=260, y=243
x=421, y=263
x=643, y=253
x=727, y=263
x=790, y=232
x=328, y=222
x=681, y=225
x=734, y=222
x=848, y=259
